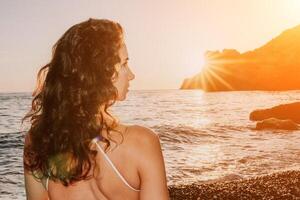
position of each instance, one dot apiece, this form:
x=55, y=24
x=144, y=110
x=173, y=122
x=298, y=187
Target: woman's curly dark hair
x=65, y=115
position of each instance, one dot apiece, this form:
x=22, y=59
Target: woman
x=75, y=149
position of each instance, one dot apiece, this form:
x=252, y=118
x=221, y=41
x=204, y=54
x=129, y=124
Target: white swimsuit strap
x=95, y=140
x=47, y=183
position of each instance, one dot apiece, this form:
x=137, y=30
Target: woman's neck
x=104, y=117
x=113, y=124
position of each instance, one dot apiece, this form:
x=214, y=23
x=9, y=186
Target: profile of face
x=124, y=74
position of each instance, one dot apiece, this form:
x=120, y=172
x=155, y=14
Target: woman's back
x=108, y=184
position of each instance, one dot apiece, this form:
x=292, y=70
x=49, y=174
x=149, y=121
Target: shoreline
x=279, y=185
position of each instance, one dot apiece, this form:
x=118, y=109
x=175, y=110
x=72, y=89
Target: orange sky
x=166, y=39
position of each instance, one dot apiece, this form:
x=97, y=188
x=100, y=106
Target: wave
x=11, y=140
x=181, y=134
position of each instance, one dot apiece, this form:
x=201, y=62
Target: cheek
x=121, y=82
x=123, y=78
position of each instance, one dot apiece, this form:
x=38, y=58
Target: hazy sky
x=166, y=39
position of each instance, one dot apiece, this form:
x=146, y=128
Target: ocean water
x=204, y=136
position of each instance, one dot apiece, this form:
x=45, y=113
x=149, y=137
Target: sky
x=166, y=39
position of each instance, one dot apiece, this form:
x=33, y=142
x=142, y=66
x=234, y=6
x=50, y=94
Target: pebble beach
x=281, y=186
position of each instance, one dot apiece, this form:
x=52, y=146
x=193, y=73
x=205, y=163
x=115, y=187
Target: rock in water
x=285, y=111
x=273, y=123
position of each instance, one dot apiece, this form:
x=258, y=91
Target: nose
x=131, y=75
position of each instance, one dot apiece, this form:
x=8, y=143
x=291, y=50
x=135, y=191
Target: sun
x=211, y=74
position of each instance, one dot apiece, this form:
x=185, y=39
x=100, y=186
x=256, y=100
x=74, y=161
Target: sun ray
x=212, y=73
x=221, y=69
x=209, y=79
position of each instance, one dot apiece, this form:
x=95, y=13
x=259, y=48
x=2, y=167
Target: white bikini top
x=95, y=140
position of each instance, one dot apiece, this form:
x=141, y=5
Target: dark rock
x=284, y=112
x=273, y=123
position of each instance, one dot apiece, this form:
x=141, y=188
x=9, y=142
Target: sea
x=204, y=136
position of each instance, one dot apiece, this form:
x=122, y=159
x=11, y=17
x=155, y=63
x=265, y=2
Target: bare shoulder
x=143, y=143
x=149, y=161
x=141, y=136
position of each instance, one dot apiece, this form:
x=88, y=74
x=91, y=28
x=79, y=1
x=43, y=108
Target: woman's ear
x=115, y=75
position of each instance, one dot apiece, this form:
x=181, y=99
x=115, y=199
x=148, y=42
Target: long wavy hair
x=65, y=113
